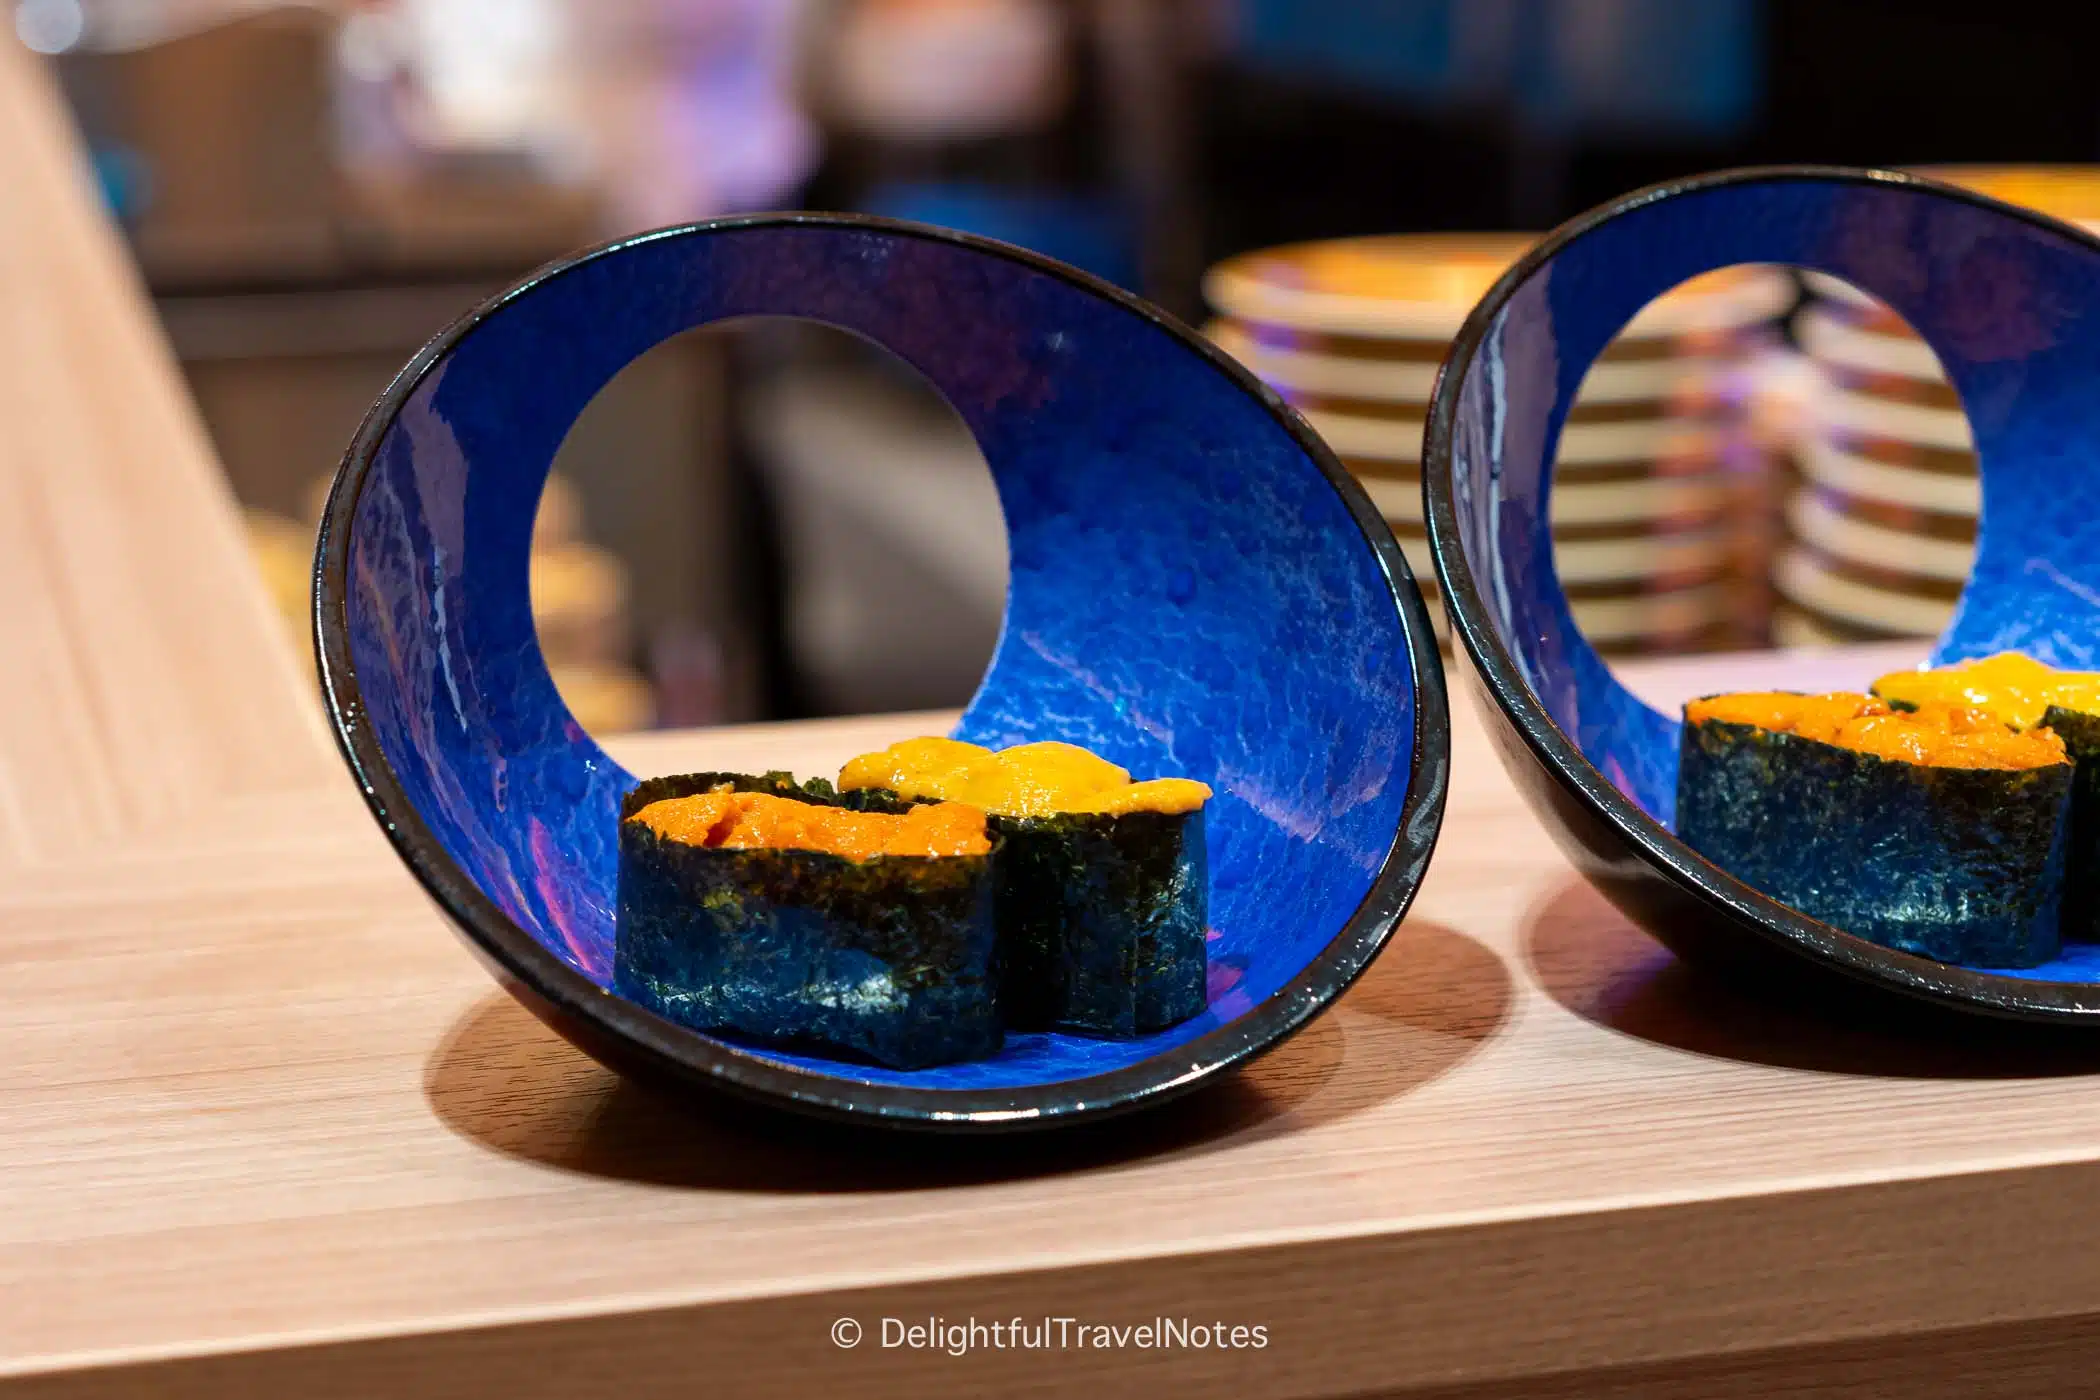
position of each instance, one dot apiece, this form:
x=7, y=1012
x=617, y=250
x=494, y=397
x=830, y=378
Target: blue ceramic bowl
x=2009, y=300
x=1197, y=588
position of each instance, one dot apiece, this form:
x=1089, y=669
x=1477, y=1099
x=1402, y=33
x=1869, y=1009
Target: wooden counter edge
x=1466, y=1306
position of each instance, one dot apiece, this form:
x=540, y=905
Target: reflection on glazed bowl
x=1197, y=589
x=2008, y=302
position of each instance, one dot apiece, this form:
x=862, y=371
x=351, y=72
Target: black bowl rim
x=664, y=1050
x=1941, y=984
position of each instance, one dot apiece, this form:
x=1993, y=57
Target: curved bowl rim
x=665, y=1050
x=1941, y=984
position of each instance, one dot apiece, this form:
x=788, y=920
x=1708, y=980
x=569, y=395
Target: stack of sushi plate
x=1647, y=500
x=1881, y=526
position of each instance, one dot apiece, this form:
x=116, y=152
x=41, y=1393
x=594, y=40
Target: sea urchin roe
x=1028, y=780
x=760, y=821
x=2017, y=689
x=1935, y=734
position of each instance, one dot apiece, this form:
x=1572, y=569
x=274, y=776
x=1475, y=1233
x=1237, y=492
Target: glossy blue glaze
x=1197, y=589
x=2009, y=301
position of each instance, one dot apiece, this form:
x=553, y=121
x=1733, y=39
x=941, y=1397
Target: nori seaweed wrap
x=1103, y=921
x=2026, y=695
x=1911, y=831
x=890, y=958
x=2080, y=732
x=1103, y=884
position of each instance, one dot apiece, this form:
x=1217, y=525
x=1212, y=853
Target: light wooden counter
x=265, y=1128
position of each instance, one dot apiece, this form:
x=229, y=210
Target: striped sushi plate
x=1860, y=596
x=1421, y=287
x=1296, y=364
x=1645, y=506
x=1912, y=544
x=1582, y=443
x=1892, y=473
x=1633, y=501
x=1798, y=628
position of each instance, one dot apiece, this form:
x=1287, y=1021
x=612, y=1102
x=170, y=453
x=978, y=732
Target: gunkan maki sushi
x=755, y=906
x=2027, y=695
x=1940, y=832
x=1103, y=888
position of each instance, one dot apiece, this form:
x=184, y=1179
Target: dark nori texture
x=890, y=959
x=1962, y=865
x=2081, y=735
x=1104, y=921
x=2081, y=901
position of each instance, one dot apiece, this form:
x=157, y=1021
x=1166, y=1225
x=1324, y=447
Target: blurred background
x=774, y=520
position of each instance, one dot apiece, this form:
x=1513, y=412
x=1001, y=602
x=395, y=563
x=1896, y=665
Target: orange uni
x=760, y=821
x=1936, y=734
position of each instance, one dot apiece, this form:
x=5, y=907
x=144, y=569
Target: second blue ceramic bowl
x=1197, y=589
x=2008, y=300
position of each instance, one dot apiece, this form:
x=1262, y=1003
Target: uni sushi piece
x=1104, y=900
x=1940, y=832
x=2027, y=695
x=756, y=906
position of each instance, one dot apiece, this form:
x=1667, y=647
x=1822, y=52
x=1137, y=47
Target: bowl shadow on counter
x=502, y=1080
x=1591, y=959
